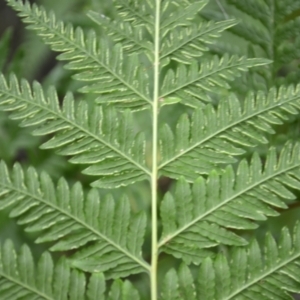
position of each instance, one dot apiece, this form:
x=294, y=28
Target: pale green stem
x=154, y=250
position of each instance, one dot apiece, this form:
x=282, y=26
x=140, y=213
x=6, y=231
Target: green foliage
x=213, y=207
x=74, y=221
x=243, y=274
x=78, y=132
x=268, y=29
x=215, y=135
x=20, y=278
x=149, y=60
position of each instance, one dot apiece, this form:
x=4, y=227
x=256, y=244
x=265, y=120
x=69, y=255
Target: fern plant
x=268, y=29
x=154, y=54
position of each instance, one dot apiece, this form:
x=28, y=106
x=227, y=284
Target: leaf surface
x=104, y=232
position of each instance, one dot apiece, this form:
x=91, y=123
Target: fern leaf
x=214, y=136
x=179, y=286
x=20, y=278
x=136, y=12
x=253, y=30
x=111, y=237
x=259, y=9
x=202, y=216
x=185, y=44
x=119, y=79
x=123, y=291
x=179, y=13
x=248, y=277
x=192, y=84
x=183, y=38
x=111, y=148
x=131, y=38
x=178, y=42
x=243, y=274
x=105, y=69
x=271, y=27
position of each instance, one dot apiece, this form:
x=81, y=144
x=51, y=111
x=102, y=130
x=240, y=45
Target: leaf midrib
x=22, y=284
x=266, y=274
x=75, y=125
x=210, y=29
x=134, y=12
x=215, y=208
x=131, y=38
x=244, y=118
x=77, y=220
x=215, y=71
x=85, y=52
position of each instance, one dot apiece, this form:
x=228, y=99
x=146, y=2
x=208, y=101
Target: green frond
x=184, y=44
x=109, y=237
x=125, y=80
x=21, y=278
x=122, y=291
x=102, y=138
x=243, y=274
x=179, y=286
x=179, y=13
x=191, y=83
x=213, y=136
x=256, y=9
x=105, y=69
x=202, y=216
x=136, y=12
x=184, y=36
x=133, y=39
x=256, y=25
x=149, y=54
x=179, y=42
x=272, y=27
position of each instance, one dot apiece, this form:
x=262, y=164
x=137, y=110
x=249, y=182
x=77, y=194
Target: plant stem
x=154, y=177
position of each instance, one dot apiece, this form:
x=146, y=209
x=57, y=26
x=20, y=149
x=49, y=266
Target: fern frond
x=110, y=235
x=179, y=42
x=247, y=276
x=243, y=274
x=215, y=136
x=137, y=12
x=105, y=69
x=20, y=278
x=101, y=138
x=200, y=217
x=179, y=13
x=179, y=286
x=132, y=38
x=184, y=44
x=257, y=13
x=192, y=84
x=120, y=79
x=184, y=38
x=258, y=9
x=273, y=26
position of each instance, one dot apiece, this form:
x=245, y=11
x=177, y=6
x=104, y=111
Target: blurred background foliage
x=22, y=53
